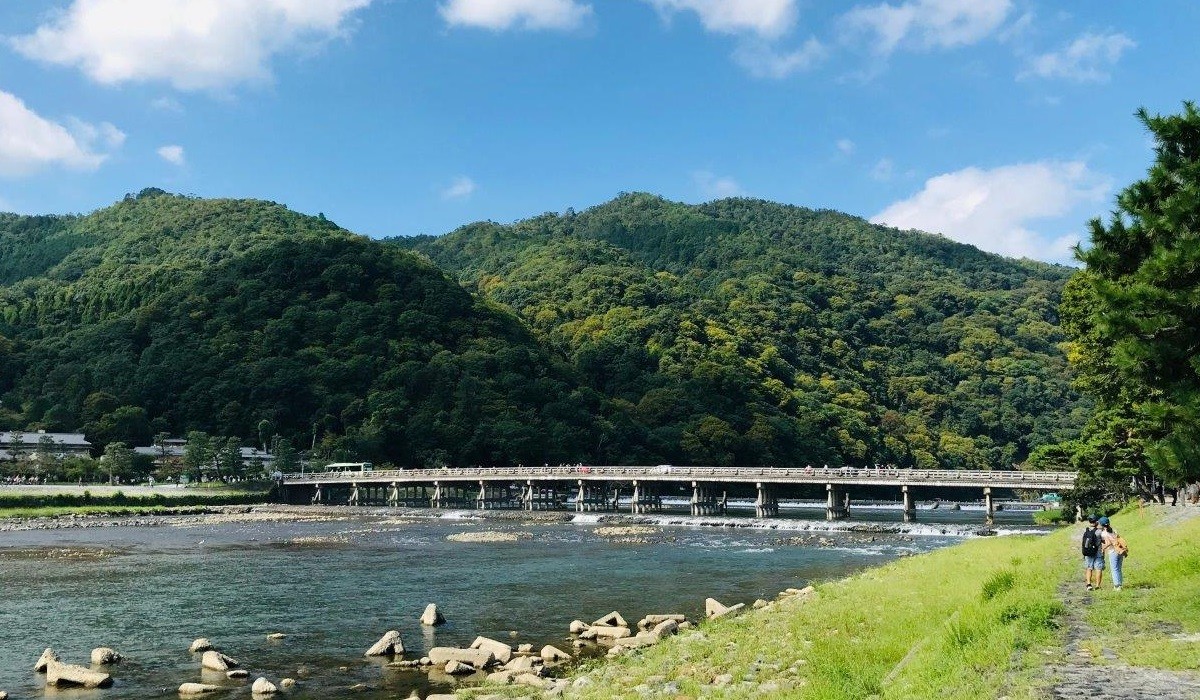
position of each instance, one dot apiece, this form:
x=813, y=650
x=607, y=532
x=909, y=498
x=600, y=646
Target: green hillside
x=747, y=332
x=167, y=313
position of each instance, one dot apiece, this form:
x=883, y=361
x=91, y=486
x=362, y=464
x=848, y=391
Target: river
x=334, y=584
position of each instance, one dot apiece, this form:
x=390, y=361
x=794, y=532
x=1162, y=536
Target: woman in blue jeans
x=1112, y=551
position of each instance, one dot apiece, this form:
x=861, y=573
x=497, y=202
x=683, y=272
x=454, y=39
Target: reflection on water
x=335, y=586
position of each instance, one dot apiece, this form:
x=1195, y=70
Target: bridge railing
x=802, y=475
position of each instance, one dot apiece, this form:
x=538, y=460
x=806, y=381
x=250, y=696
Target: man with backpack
x=1093, y=559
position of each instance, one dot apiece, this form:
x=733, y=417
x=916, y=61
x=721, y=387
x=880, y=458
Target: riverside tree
x=1133, y=321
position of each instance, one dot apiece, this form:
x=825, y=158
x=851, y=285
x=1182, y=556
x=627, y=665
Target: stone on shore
x=551, y=653
x=613, y=619
x=651, y=620
x=197, y=688
x=666, y=628
x=523, y=664
x=525, y=649
x=432, y=616
x=500, y=650
x=643, y=639
x=201, y=644
x=760, y=603
x=500, y=678
x=454, y=668
x=530, y=680
x=578, y=626
x=479, y=658
x=262, y=686
x=46, y=657
x=609, y=632
x=388, y=645
x=58, y=673
x=103, y=656
x=216, y=661
x=713, y=609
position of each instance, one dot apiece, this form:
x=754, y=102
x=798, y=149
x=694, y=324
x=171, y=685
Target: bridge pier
x=592, y=497
x=534, y=498
x=317, y=495
x=438, y=499
x=353, y=493
x=990, y=518
x=705, y=501
x=492, y=496
x=837, y=502
x=393, y=498
x=767, y=504
x=644, y=499
x=910, y=509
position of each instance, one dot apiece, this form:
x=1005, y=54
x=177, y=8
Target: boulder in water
x=104, y=656
x=550, y=653
x=388, y=645
x=60, y=674
x=479, y=658
x=237, y=673
x=613, y=619
x=197, y=688
x=455, y=668
x=578, y=626
x=217, y=661
x=500, y=650
x=432, y=616
x=201, y=644
x=274, y=636
x=262, y=686
x=287, y=683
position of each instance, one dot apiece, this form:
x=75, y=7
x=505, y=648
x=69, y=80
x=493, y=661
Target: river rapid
x=335, y=580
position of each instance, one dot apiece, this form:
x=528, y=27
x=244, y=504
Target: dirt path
x=1083, y=677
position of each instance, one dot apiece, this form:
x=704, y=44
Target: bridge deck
x=847, y=476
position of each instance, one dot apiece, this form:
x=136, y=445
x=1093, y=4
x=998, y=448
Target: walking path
x=1082, y=676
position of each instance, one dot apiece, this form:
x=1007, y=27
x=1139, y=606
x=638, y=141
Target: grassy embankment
x=22, y=506
x=979, y=620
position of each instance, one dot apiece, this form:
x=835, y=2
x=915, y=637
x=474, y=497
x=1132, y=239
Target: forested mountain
x=639, y=331
x=168, y=313
x=747, y=332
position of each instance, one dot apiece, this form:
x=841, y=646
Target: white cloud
x=926, y=24
x=29, y=142
x=167, y=104
x=846, y=146
x=1087, y=59
x=713, y=187
x=883, y=170
x=499, y=15
x=993, y=209
x=767, y=18
x=191, y=44
x=461, y=188
x=762, y=60
x=172, y=154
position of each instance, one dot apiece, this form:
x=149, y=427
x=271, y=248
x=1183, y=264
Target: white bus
x=349, y=467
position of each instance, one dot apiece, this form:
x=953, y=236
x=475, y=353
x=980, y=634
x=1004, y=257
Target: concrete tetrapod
x=46, y=657
x=201, y=644
x=58, y=673
x=714, y=609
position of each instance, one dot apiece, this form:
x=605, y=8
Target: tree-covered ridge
x=747, y=332
x=172, y=314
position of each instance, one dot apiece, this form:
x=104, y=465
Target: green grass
x=1160, y=601
x=978, y=620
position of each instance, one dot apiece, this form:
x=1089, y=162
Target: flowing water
x=334, y=586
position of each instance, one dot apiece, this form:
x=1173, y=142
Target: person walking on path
x=1114, y=548
x=1093, y=559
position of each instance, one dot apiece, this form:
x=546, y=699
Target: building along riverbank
x=989, y=618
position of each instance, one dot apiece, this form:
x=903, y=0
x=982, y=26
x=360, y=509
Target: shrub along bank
x=979, y=620
x=39, y=505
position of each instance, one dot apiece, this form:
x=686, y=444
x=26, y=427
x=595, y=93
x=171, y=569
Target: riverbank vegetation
x=86, y=503
x=984, y=619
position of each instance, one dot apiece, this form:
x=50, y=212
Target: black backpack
x=1091, y=542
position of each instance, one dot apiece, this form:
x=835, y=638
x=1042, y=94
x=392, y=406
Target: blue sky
x=1002, y=123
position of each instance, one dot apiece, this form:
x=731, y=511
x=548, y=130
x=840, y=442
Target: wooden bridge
x=601, y=488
